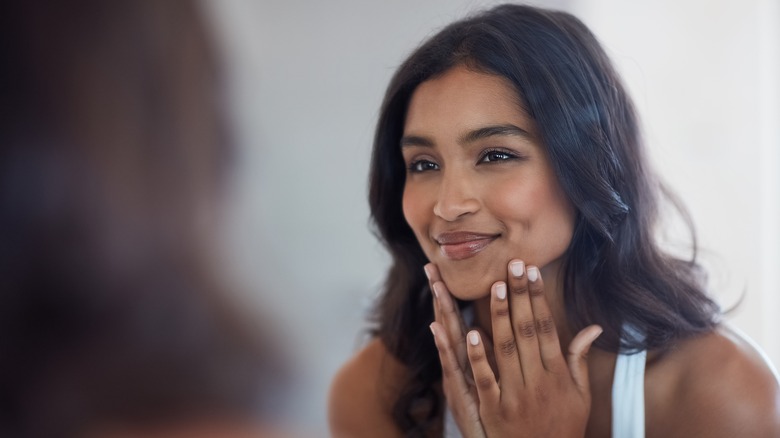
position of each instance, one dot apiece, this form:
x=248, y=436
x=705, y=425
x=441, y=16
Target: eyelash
x=488, y=152
x=415, y=166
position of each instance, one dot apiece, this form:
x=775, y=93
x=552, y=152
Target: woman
x=508, y=164
x=113, y=318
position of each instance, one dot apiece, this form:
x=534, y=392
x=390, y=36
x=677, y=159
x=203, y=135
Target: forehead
x=464, y=99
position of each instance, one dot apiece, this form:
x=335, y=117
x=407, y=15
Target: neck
x=553, y=291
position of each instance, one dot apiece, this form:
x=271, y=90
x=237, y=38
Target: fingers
x=523, y=320
x=433, y=276
x=487, y=342
x=578, y=357
x=447, y=314
x=549, y=343
x=457, y=391
x=504, y=345
x=450, y=366
x=484, y=379
x=525, y=339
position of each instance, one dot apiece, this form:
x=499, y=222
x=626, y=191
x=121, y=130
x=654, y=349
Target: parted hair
x=615, y=272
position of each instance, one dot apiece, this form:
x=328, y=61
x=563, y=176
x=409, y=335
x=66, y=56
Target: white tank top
x=628, y=399
x=628, y=396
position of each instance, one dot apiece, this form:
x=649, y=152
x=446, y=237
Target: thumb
x=578, y=356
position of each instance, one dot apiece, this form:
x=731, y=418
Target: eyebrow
x=416, y=140
x=471, y=136
x=493, y=131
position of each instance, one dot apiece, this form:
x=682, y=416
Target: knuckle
x=542, y=394
x=526, y=329
x=545, y=325
x=519, y=289
x=509, y=410
x=502, y=311
x=536, y=291
x=507, y=347
x=483, y=382
x=476, y=356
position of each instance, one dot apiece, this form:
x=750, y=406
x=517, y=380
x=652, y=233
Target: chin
x=469, y=286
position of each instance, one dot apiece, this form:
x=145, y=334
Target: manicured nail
x=501, y=291
x=517, y=268
x=436, y=287
x=427, y=272
x=473, y=338
x=432, y=329
x=533, y=274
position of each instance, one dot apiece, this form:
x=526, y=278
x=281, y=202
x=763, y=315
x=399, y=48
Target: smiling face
x=480, y=189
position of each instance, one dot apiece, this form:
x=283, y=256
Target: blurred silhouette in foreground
x=113, y=151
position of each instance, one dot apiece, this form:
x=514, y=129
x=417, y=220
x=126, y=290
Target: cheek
x=539, y=217
x=516, y=203
x=554, y=224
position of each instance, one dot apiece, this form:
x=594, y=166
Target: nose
x=456, y=197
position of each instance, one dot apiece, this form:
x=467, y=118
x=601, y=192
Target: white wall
x=705, y=75
x=307, y=79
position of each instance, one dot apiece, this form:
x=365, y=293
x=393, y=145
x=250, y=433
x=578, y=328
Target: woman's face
x=480, y=190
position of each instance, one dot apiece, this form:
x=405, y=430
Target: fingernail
x=427, y=272
x=473, y=338
x=436, y=287
x=517, y=268
x=501, y=291
x=533, y=274
x=432, y=329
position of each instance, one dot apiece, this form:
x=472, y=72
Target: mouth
x=462, y=245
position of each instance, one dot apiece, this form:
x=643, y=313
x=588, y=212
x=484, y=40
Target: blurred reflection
x=113, y=321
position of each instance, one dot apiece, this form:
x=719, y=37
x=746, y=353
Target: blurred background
x=306, y=80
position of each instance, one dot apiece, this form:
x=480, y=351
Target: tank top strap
x=628, y=396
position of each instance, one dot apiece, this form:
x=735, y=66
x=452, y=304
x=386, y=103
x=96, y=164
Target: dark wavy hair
x=615, y=273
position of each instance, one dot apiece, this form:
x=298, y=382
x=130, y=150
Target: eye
x=420, y=166
x=494, y=155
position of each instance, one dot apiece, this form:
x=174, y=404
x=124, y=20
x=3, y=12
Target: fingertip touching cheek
x=480, y=190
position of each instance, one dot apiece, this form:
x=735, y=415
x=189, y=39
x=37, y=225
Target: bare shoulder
x=362, y=392
x=714, y=385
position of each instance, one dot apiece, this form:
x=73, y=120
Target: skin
x=502, y=186
x=539, y=394
x=476, y=165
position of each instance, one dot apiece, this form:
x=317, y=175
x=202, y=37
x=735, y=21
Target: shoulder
x=716, y=384
x=362, y=394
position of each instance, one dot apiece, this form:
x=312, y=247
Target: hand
x=458, y=387
x=538, y=393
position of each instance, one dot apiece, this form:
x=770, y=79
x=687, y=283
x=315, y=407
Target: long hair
x=615, y=273
x=112, y=151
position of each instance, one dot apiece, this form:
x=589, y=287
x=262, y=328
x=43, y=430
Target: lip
x=463, y=244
